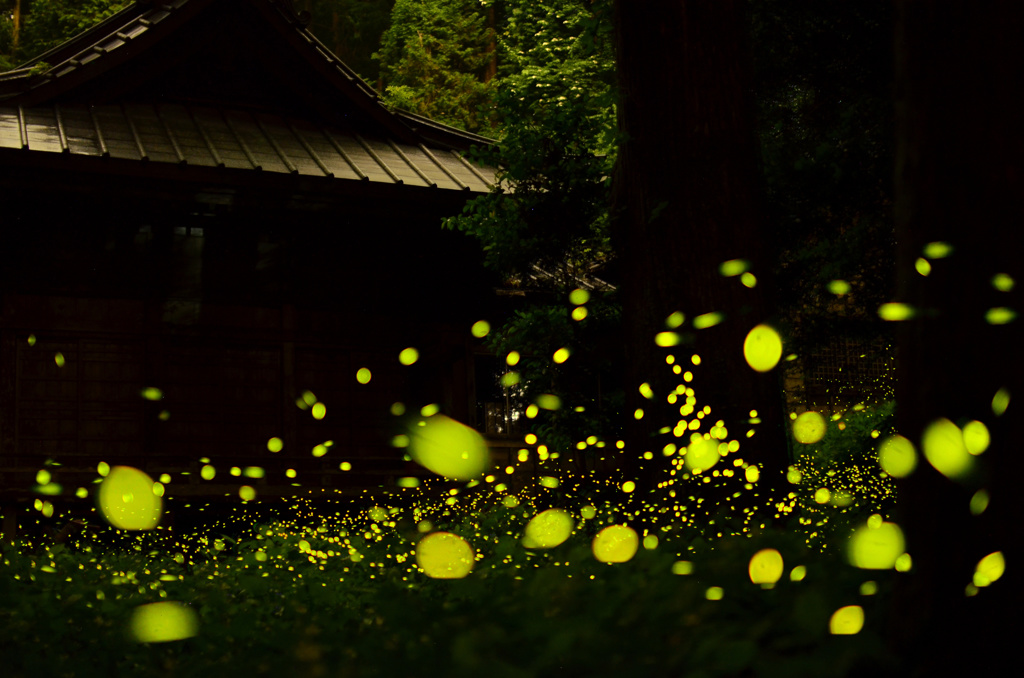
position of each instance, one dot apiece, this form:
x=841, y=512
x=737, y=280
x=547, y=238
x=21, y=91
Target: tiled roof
x=46, y=78
x=214, y=137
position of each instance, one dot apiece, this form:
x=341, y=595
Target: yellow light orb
x=847, y=621
x=152, y=393
x=702, y=454
x=443, y=555
x=275, y=444
x=897, y=457
x=976, y=437
x=127, y=501
x=615, y=544
x=944, y=448
x=765, y=567
x=989, y=569
x=809, y=428
x=762, y=348
x=363, y=375
x=449, y=448
x=667, y=339
x=163, y=622
x=839, y=287
x=548, y=401
x=408, y=356
x=579, y=297
x=480, y=329
x=548, y=529
x=876, y=548
x=707, y=320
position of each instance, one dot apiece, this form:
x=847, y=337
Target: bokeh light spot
x=319, y=411
x=1003, y=282
x=548, y=529
x=163, y=622
x=809, y=428
x=714, y=593
x=707, y=320
x=682, y=567
x=480, y=329
x=127, y=501
x=1000, y=401
x=762, y=348
x=979, y=502
x=363, y=375
x=897, y=457
x=1000, y=315
x=579, y=313
x=561, y=355
x=548, y=401
x=765, y=567
x=408, y=356
x=247, y=492
x=989, y=569
x=275, y=444
x=839, y=287
x=876, y=548
x=151, y=393
x=674, y=320
x=894, y=311
x=733, y=267
x=615, y=544
x=579, y=297
x=702, y=454
x=846, y=621
x=449, y=448
x=443, y=555
x=944, y=448
x=937, y=250
x=667, y=339
x=922, y=266
x=976, y=437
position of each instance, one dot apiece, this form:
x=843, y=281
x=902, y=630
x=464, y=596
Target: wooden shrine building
x=197, y=197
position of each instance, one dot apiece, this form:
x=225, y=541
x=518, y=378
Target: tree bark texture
x=959, y=179
x=686, y=197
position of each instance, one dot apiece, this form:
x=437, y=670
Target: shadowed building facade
x=198, y=197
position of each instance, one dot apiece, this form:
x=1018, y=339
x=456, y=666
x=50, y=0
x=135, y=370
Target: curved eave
x=223, y=139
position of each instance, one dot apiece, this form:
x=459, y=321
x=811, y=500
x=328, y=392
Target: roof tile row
x=214, y=137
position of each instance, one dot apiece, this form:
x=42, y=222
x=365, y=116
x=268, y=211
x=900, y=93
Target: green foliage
x=845, y=463
x=48, y=23
x=544, y=228
x=433, y=58
x=352, y=29
x=310, y=606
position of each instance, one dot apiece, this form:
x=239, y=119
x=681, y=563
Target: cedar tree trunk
x=960, y=180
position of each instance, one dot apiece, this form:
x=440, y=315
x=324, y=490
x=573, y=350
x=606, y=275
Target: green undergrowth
x=342, y=596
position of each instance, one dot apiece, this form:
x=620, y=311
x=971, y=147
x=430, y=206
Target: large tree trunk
x=686, y=198
x=959, y=179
